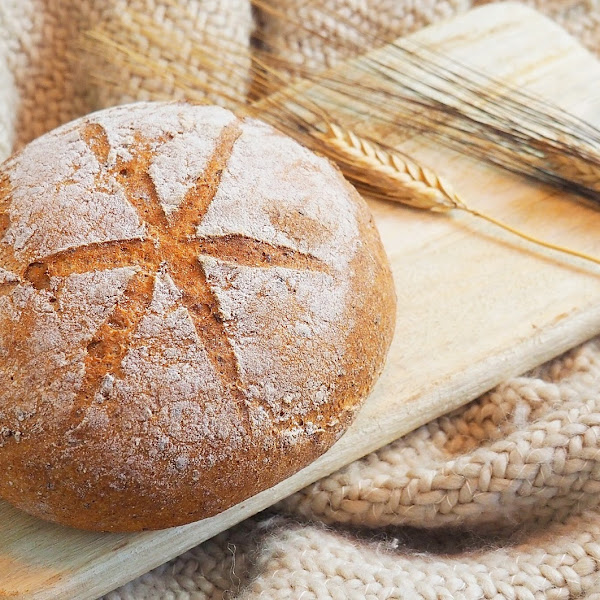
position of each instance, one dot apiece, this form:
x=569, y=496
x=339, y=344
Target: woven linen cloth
x=46, y=79
x=496, y=500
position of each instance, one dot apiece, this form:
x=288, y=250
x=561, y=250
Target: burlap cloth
x=497, y=500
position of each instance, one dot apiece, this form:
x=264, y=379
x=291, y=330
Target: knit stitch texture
x=499, y=499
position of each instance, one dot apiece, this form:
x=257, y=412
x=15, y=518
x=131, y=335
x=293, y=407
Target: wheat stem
x=531, y=238
x=388, y=174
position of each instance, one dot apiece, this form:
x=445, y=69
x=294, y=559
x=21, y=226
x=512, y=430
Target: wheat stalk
x=458, y=105
x=389, y=175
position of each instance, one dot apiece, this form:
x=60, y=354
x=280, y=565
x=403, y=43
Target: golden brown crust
x=94, y=326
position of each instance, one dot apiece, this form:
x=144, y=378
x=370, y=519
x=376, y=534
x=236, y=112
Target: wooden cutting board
x=475, y=306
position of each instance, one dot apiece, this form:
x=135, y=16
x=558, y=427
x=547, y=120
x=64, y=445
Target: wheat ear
x=583, y=168
x=389, y=175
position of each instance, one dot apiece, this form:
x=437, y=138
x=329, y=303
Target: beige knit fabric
x=362, y=22
x=497, y=500
x=41, y=56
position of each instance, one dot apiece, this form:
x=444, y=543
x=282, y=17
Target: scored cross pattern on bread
x=170, y=244
x=192, y=307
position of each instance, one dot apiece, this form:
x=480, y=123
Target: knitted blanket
x=499, y=499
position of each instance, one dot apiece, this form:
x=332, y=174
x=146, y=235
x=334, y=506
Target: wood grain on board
x=475, y=306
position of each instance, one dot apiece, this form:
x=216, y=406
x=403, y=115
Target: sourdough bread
x=192, y=307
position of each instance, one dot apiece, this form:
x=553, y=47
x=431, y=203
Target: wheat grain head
x=386, y=173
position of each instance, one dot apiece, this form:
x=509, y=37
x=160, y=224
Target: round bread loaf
x=192, y=308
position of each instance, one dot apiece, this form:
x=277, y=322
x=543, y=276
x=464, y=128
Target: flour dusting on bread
x=279, y=192
x=55, y=202
x=184, y=297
